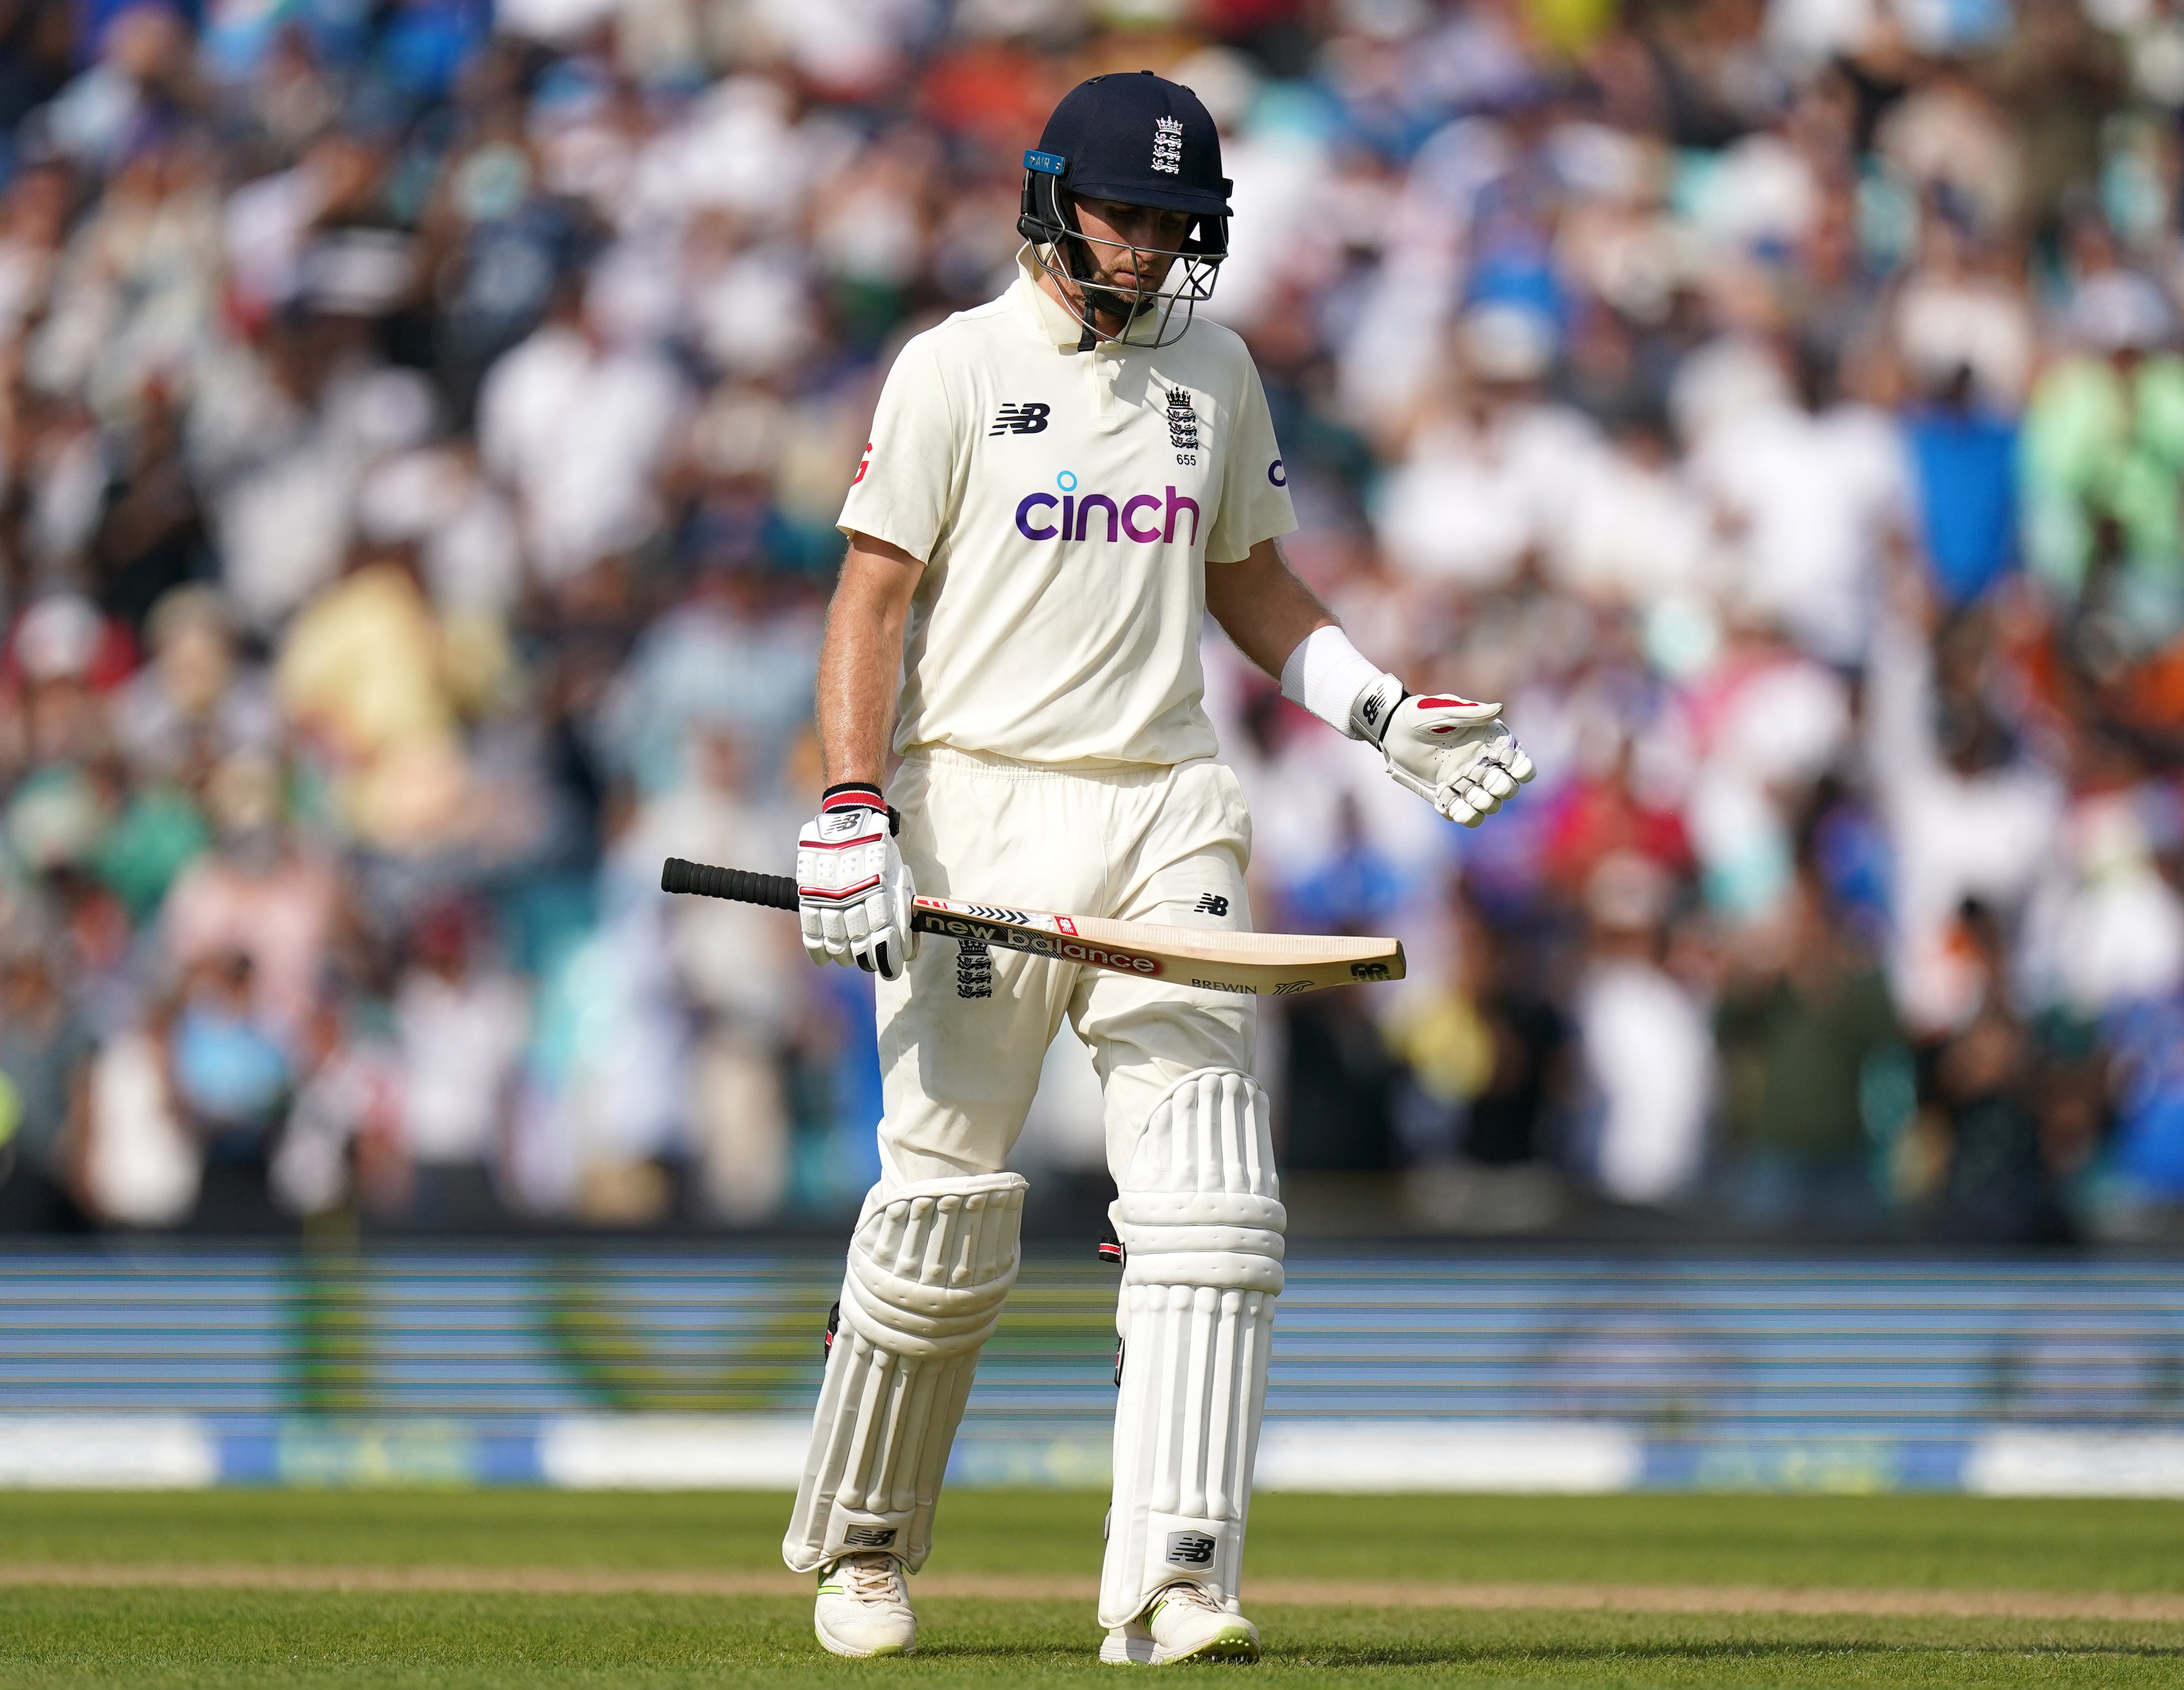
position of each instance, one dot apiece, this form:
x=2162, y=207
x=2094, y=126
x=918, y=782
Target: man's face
x=1131, y=246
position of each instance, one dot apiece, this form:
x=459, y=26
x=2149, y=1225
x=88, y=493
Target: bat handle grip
x=774, y=892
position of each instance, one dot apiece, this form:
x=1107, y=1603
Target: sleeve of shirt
x=1255, y=486
x=901, y=494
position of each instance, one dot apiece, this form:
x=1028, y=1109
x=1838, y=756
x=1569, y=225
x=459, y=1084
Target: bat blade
x=1248, y=964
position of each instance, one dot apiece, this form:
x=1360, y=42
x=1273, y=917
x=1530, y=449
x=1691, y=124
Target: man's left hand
x=1456, y=754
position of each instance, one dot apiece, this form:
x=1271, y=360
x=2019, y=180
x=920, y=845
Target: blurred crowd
x=421, y=429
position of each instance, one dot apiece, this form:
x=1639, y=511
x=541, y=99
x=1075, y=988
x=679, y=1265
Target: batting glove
x=854, y=892
x=1456, y=754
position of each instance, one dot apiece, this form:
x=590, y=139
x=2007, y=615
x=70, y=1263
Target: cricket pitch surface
x=462, y=1588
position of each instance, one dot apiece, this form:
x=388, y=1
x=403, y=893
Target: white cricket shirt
x=1065, y=503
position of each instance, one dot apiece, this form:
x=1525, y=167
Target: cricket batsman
x=1060, y=485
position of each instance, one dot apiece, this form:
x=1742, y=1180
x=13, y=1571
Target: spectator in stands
x=46, y=1049
x=1998, y=1186
x=258, y=895
x=1647, y=1056
x=461, y=1022
x=1803, y=1021
x=1964, y=460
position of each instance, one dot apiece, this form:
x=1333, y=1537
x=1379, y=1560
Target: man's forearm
x=857, y=674
x=861, y=661
x=1279, y=624
x=1262, y=606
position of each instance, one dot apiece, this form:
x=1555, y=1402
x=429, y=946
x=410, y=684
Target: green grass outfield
x=519, y=1588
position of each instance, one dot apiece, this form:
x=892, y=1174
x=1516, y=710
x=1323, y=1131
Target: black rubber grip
x=775, y=891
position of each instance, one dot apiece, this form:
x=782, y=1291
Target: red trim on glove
x=1448, y=703
x=822, y=894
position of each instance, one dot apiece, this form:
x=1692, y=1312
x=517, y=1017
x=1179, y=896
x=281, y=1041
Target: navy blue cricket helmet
x=1142, y=140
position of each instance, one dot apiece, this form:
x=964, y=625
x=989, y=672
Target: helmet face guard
x=1047, y=219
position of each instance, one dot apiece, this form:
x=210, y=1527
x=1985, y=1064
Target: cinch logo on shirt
x=1144, y=518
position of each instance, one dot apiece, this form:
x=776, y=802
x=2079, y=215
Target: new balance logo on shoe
x=1029, y=417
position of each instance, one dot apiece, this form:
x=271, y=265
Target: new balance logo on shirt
x=1029, y=417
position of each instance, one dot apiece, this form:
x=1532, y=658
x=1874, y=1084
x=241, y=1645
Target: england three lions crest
x=1167, y=145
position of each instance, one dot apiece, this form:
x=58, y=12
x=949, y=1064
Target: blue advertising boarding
x=1821, y=1372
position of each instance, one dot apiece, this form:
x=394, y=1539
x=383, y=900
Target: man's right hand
x=854, y=892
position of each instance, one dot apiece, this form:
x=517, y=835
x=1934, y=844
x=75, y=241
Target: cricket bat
x=1252, y=964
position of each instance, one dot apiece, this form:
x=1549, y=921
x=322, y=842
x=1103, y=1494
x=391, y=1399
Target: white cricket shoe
x=864, y=1608
x=1185, y=1623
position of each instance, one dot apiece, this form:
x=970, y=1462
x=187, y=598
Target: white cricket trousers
x=962, y=1036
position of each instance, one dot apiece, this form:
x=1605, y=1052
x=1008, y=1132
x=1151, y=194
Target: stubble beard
x=1108, y=314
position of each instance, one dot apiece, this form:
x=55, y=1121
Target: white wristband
x=1329, y=677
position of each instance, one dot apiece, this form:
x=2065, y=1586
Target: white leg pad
x=1201, y=1229
x=930, y=1265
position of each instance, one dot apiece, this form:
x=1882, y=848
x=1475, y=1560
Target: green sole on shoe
x=1223, y=1646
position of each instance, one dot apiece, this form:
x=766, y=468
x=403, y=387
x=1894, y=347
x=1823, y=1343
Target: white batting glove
x=854, y=892
x=1456, y=754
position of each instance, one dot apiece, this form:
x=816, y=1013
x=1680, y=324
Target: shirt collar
x=1060, y=325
